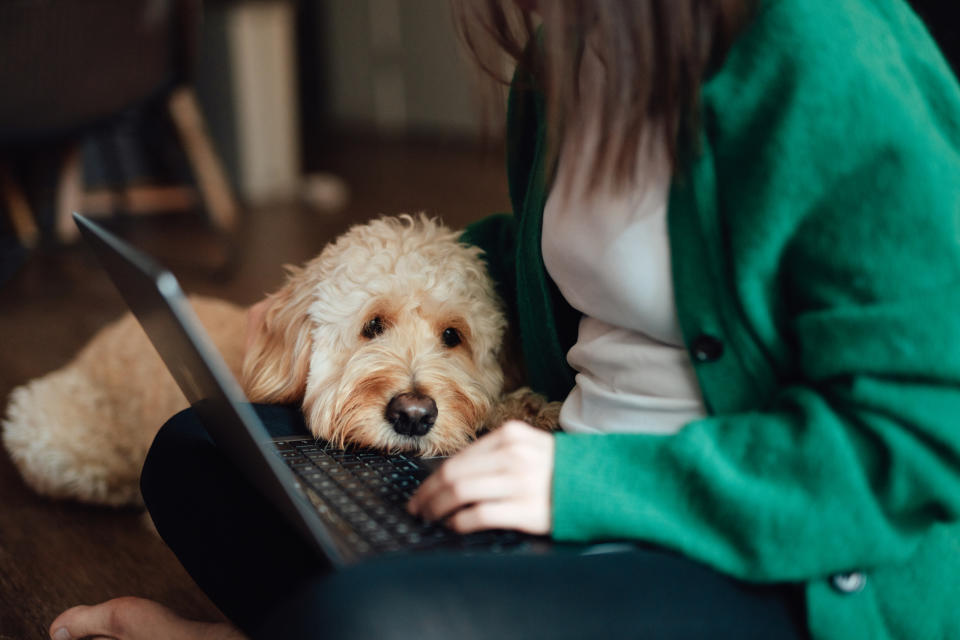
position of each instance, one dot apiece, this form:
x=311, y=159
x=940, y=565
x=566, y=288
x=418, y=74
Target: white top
x=610, y=257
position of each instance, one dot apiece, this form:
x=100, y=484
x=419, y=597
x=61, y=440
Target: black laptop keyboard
x=367, y=492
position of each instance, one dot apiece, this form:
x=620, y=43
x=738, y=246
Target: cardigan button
x=850, y=582
x=706, y=348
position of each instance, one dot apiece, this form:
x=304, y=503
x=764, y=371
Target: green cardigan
x=816, y=260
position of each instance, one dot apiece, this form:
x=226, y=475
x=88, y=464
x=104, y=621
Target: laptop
x=348, y=504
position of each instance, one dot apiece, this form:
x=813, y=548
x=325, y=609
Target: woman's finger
x=475, y=460
x=515, y=467
x=504, y=449
x=465, y=492
x=523, y=515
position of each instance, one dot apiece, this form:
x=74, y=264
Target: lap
x=640, y=593
x=269, y=581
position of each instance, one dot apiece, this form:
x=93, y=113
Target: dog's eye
x=451, y=337
x=373, y=328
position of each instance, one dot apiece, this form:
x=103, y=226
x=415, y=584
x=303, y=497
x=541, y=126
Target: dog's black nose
x=411, y=414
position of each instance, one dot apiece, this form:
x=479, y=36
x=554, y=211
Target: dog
x=392, y=338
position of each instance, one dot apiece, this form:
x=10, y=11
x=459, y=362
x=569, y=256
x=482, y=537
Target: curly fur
x=414, y=275
x=82, y=432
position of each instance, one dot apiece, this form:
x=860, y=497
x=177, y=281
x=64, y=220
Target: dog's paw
x=527, y=406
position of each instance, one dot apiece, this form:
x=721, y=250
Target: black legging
x=272, y=585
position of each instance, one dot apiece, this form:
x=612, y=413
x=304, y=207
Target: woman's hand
x=501, y=481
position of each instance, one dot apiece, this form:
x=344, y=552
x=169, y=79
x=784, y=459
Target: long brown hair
x=655, y=54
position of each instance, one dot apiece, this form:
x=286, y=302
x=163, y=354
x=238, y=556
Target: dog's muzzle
x=411, y=414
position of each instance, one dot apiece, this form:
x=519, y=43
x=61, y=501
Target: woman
x=762, y=385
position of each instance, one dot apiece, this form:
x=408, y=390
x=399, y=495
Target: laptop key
x=351, y=486
x=367, y=475
x=339, y=474
x=325, y=486
x=369, y=492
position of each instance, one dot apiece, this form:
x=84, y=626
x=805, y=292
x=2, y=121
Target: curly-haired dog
x=390, y=339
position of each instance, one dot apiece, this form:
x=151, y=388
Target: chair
x=70, y=68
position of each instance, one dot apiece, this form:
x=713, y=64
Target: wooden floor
x=54, y=555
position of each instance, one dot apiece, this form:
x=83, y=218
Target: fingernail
x=61, y=634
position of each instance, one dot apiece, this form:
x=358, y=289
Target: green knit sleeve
x=838, y=204
x=821, y=483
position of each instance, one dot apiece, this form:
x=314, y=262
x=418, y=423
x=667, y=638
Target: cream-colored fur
x=418, y=280
x=82, y=431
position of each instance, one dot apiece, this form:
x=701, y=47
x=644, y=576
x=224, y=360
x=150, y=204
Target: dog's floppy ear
x=277, y=359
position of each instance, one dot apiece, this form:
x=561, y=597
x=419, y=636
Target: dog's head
x=389, y=337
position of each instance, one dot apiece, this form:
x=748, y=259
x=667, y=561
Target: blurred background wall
x=278, y=79
x=392, y=65
x=277, y=84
